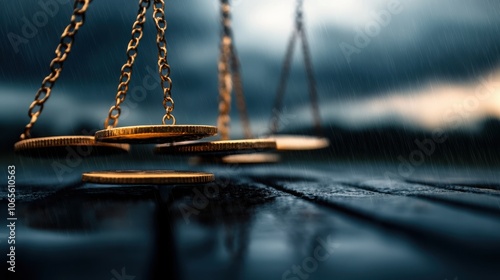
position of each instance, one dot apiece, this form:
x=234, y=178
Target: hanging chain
x=225, y=83
x=298, y=33
x=163, y=66
x=238, y=89
x=313, y=94
x=280, y=92
x=230, y=78
x=56, y=65
x=306, y=54
x=126, y=70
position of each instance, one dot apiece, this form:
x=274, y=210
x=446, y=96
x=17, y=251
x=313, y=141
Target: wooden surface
x=258, y=222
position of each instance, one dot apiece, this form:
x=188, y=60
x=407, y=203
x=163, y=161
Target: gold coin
x=57, y=146
x=147, y=177
x=224, y=147
x=299, y=143
x=143, y=134
x=244, y=159
x=260, y=158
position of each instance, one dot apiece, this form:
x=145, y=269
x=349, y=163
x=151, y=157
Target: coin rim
x=123, y=134
x=63, y=141
x=103, y=177
x=209, y=147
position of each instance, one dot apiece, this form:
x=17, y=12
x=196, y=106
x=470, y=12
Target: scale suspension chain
x=56, y=65
x=225, y=85
x=126, y=70
x=163, y=66
x=278, y=102
x=132, y=51
x=238, y=90
x=298, y=33
x=149, y=134
x=231, y=65
x=306, y=54
x=237, y=82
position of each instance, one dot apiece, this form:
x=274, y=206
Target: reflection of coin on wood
x=147, y=177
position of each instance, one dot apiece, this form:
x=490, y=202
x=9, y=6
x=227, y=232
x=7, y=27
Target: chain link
x=56, y=65
x=229, y=78
x=126, y=70
x=163, y=66
x=225, y=83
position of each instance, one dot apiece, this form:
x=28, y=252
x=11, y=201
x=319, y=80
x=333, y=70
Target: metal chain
x=225, y=83
x=238, y=90
x=237, y=81
x=126, y=70
x=280, y=92
x=312, y=83
x=306, y=54
x=163, y=66
x=56, y=65
x=298, y=33
x=229, y=56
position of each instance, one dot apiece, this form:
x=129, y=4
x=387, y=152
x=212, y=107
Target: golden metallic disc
x=299, y=143
x=244, y=159
x=149, y=177
x=260, y=158
x=57, y=146
x=224, y=147
x=155, y=133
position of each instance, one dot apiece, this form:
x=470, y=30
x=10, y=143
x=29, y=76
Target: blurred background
x=389, y=73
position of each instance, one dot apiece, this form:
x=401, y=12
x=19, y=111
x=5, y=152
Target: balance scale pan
x=60, y=146
x=154, y=134
x=219, y=148
x=299, y=142
x=237, y=159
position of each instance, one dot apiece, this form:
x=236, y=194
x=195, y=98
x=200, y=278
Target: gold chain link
x=126, y=70
x=56, y=65
x=225, y=83
x=163, y=66
x=229, y=58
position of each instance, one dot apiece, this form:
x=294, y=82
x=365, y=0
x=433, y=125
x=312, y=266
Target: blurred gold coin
x=243, y=159
x=144, y=134
x=299, y=143
x=147, y=177
x=57, y=146
x=224, y=147
x=261, y=158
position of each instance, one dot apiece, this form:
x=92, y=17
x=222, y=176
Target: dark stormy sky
x=422, y=63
